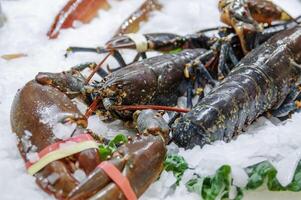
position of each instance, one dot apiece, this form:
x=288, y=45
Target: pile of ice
x=264, y=141
x=25, y=32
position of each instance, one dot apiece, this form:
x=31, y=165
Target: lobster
x=35, y=118
x=229, y=46
x=83, y=11
x=245, y=98
x=259, y=83
x=157, y=80
x=36, y=131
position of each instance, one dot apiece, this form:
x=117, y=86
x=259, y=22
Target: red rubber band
x=121, y=181
x=55, y=146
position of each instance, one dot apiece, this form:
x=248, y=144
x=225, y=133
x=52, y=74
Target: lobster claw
x=245, y=17
x=265, y=11
x=76, y=10
x=133, y=160
x=164, y=42
x=36, y=112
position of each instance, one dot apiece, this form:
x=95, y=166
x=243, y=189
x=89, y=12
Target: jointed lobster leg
x=291, y=104
x=162, y=42
x=116, y=55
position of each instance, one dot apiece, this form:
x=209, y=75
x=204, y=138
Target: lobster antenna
x=211, y=29
x=97, y=68
x=92, y=107
x=153, y=107
x=99, y=50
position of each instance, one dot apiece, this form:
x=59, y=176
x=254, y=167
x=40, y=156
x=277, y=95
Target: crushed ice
x=25, y=31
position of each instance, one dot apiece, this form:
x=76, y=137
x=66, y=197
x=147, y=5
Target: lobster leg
x=285, y=110
x=162, y=42
x=290, y=104
x=140, y=54
x=203, y=73
x=189, y=94
x=268, y=32
x=233, y=58
x=102, y=73
x=116, y=54
x=222, y=64
x=99, y=50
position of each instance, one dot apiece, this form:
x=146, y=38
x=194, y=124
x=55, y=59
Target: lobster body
x=155, y=80
x=260, y=82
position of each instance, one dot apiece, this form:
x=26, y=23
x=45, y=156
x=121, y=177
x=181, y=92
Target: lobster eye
x=43, y=79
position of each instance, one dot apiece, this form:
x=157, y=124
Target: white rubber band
x=139, y=40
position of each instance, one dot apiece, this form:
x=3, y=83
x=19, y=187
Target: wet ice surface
x=25, y=32
x=52, y=117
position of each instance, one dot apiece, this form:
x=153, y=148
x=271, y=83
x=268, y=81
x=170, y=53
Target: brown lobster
x=37, y=131
x=85, y=10
x=81, y=10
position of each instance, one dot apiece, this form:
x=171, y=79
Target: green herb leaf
x=295, y=185
x=258, y=173
x=219, y=185
x=177, y=165
x=175, y=51
x=106, y=151
x=195, y=185
x=212, y=188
